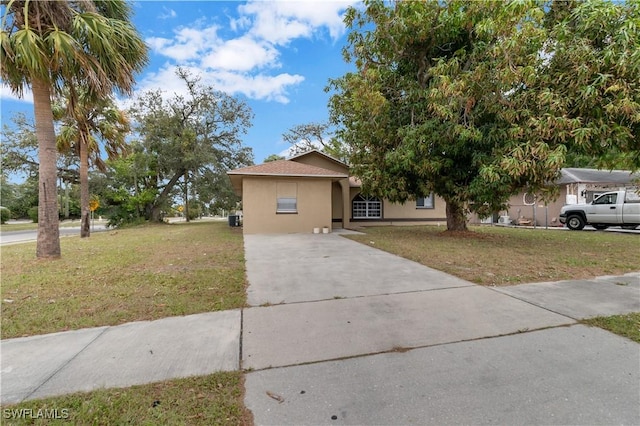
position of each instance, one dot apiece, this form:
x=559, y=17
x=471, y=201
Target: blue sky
x=275, y=55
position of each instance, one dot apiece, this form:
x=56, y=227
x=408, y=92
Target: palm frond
x=30, y=54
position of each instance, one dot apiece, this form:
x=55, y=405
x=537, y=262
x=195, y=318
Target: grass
x=216, y=399
x=624, y=325
x=505, y=256
x=113, y=277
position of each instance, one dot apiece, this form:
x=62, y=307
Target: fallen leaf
x=275, y=396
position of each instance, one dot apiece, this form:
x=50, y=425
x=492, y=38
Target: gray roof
x=574, y=175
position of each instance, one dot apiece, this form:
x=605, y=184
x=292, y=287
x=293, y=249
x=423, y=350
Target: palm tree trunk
x=85, y=225
x=48, y=241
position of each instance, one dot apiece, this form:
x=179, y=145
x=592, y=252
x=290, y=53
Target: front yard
x=113, y=277
x=492, y=255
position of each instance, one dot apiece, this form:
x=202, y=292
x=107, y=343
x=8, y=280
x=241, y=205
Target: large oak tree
x=196, y=137
x=475, y=100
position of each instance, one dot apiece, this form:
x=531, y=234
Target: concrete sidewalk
x=119, y=356
x=344, y=333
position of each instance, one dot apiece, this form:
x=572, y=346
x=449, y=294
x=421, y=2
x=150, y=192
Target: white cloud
x=239, y=24
x=282, y=21
x=188, y=43
x=241, y=54
x=244, y=64
x=261, y=87
x=167, y=13
x=7, y=95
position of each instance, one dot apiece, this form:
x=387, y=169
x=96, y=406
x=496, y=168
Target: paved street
x=15, y=237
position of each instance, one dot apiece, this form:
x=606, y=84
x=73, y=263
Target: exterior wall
x=259, y=195
x=336, y=204
x=319, y=161
x=549, y=215
x=402, y=214
x=545, y=215
x=409, y=210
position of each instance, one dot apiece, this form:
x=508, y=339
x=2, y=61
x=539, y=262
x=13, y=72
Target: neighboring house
x=313, y=190
x=575, y=186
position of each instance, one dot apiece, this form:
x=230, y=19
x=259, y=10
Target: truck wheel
x=600, y=226
x=575, y=222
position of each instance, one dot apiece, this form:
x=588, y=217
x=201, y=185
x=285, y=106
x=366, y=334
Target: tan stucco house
x=314, y=190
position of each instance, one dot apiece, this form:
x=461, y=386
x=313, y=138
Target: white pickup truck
x=617, y=208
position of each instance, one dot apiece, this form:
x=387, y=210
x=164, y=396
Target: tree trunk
x=66, y=200
x=48, y=241
x=456, y=217
x=155, y=215
x=186, y=196
x=85, y=224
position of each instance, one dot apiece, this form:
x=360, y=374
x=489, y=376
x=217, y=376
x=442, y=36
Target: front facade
x=575, y=186
x=313, y=190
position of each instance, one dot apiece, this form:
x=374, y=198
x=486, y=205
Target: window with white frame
x=287, y=197
x=366, y=207
x=425, y=202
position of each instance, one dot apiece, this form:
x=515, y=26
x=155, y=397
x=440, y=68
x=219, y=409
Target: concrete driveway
x=342, y=333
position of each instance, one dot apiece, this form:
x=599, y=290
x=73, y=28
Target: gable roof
x=320, y=153
x=283, y=168
x=576, y=175
x=287, y=168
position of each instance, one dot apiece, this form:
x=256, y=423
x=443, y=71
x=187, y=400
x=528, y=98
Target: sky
x=277, y=56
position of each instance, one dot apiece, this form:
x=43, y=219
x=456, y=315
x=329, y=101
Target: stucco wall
x=545, y=215
x=409, y=210
x=259, y=195
x=317, y=160
x=403, y=212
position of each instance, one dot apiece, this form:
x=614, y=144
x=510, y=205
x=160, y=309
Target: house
x=575, y=186
x=313, y=190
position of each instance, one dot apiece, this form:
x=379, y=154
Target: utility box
x=234, y=220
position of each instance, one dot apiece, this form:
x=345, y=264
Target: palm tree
x=52, y=44
x=87, y=120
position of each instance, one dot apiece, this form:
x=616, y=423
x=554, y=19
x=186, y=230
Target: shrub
x=33, y=214
x=5, y=214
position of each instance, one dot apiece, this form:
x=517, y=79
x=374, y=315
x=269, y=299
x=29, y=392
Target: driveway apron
x=342, y=333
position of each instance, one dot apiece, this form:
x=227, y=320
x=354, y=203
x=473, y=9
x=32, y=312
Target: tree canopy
x=476, y=100
x=88, y=122
x=320, y=136
x=195, y=137
x=50, y=45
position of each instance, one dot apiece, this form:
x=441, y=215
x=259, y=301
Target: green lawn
x=113, y=277
x=624, y=325
x=492, y=255
x=216, y=399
